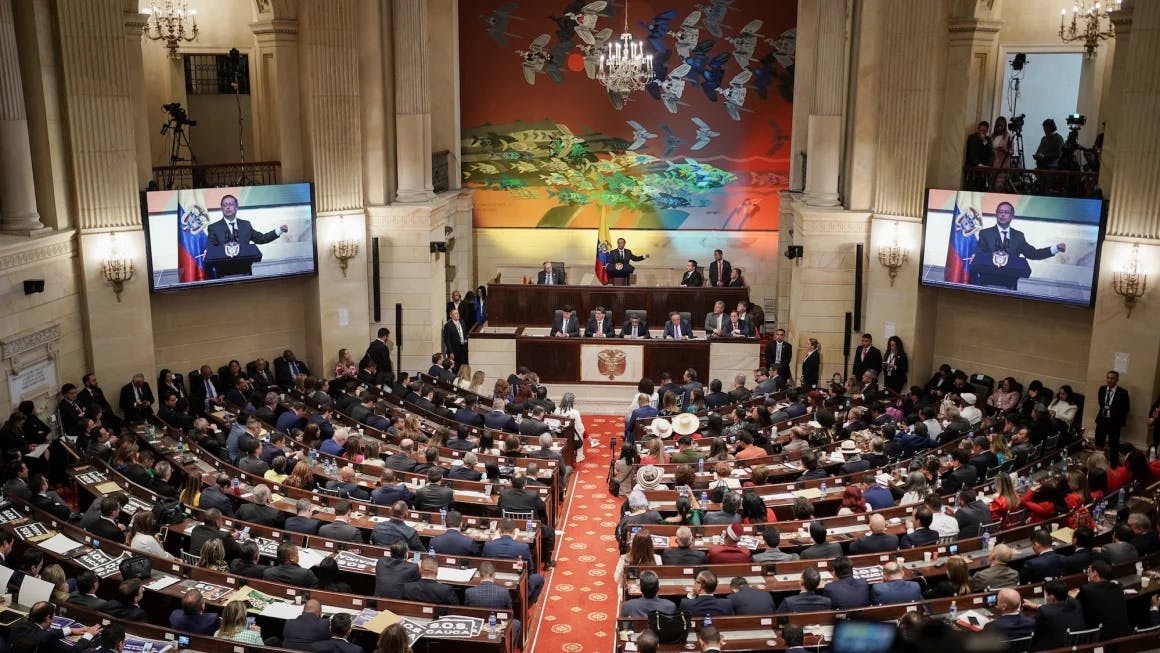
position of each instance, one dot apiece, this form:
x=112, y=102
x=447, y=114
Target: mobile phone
x=953, y=549
x=183, y=641
x=246, y=533
x=163, y=534
x=683, y=490
x=249, y=622
x=973, y=620
x=992, y=599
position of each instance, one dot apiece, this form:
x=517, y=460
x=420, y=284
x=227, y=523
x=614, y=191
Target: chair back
x=558, y=269
x=639, y=312
x=189, y=558
x=1021, y=645
x=1079, y=637
x=337, y=493
x=947, y=539
x=520, y=515
x=1078, y=399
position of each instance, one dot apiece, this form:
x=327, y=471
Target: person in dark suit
x=535, y=424
x=191, y=617
x=302, y=522
x=692, y=276
x=86, y=595
x=434, y=496
x=467, y=470
x=210, y=529
x=508, y=548
x=37, y=633
x=677, y=328
x=72, y=413
x=453, y=541
x=1045, y=564
x=720, y=270
x=107, y=526
x=923, y=534
x=683, y=553
x=396, y=530
x=846, y=592
x=961, y=474
x=811, y=364
x=427, y=589
x=127, y=605
x=644, y=411
x=878, y=541
x=340, y=529
x=635, y=328
x=214, y=496
x=736, y=328
x=566, y=324
x=716, y=398
x=749, y=601
x=550, y=276
x=497, y=418
x=648, y=601
x=380, y=352
x=287, y=570
x=619, y=267
x=1002, y=255
x=248, y=563
x=808, y=600
x=1103, y=602
x=1143, y=535
x=233, y=230
x=306, y=630
x=1054, y=618
x=287, y=367
x=1083, y=555
x=393, y=572
x=599, y=325
x=455, y=339
x=1010, y=624
x=136, y=400
x=206, y=391
x=1114, y=404
x=92, y=395
x=716, y=322
x=779, y=353
x=703, y=602
x=893, y=588
x=866, y=357
x=339, y=642
x=49, y=502
x=972, y=514
x=469, y=416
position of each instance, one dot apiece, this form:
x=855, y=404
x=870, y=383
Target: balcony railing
x=1019, y=181
x=212, y=175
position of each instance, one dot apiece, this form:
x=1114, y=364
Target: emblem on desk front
x=612, y=362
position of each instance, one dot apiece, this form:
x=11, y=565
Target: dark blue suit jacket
x=706, y=604
x=878, y=497
x=455, y=543
x=304, y=631
x=749, y=601
x=488, y=595
x=846, y=593
x=212, y=497
x=920, y=537
x=1011, y=626
x=895, y=591
x=686, y=329
x=199, y=624
x=388, y=494
x=507, y=548
x=644, y=412
x=469, y=417
x=500, y=421
x=1048, y=564
x=804, y=602
x=306, y=525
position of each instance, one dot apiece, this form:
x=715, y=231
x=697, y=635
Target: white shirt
x=148, y=544
x=944, y=524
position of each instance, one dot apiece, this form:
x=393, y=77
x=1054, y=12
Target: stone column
x=134, y=22
x=971, y=63
x=824, y=140
x=278, y=129
x=1122, y=20
x=18, y=213
x=412, y=101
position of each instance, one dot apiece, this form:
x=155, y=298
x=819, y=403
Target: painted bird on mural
x=673, y=87
x=639, y=135
x=534, y=58
x=735, y=94
x=704, y=134
x=714, y=15
x=657, y=28
x=745, y=43
x=688, y=35
x=593, y=52
x=585, y=20
x=498, y=21
x=672, y=141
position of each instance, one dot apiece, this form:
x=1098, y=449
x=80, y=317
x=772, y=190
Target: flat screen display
x=210, y=236
x=1029, y=246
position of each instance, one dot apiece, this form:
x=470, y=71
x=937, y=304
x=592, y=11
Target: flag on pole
x=603, y=246
x=964, y=240
x=192, y=230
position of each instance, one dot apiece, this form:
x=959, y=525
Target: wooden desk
x=557, y=360
x=530, y=305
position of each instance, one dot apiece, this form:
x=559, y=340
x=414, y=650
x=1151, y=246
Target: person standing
x=620, y=260
x=894, y=365
x=720, y=271
x=379, y=351
x=778, y=353
x=1114, y=405
x=455, y=339
x=812, y=364
x=866, y=357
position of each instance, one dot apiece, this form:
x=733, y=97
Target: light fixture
x=1090, y=23
x=624, y=67
x=117, y=267
x=345, y=247
x=168, y=22
x=1129, y=282
x=892, y=256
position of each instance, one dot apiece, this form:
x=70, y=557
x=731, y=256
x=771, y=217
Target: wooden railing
x=211, y=175
x=1020, y=181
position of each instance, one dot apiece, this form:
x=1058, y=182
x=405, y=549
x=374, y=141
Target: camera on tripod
x=178, y=116
x=1075, y=121
x=1016, y=123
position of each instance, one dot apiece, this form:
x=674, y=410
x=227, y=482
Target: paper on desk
x=282, y=610
x=808, y=493
x=330, y=609
x=382, y=621
x=37, y=451
x=5, y=576
x=453, y=575
x=308, y=558
x=60, y=544
x=471, y=494
x=965, y=622
x=107, y=487
x=1063, y=534
x=162, y=582
x=33, y=591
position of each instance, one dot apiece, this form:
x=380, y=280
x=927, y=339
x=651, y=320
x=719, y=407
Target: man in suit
x=433, y=496
x=821, y=549
x=1055, y=617
x=1010, y=624
x=339, y=642
x=739, y=392
x=248, y=564
x=402, y=460
x=390, y=492
x=107, y=526
x=998, y=573
x=302, y=522
x=1103, y=601
x=92, y=395
x=982, y=458
x=599, y=325
x=771, y=553
x=214, y=496
x=1046, y=563
x=960, y=475
x=808, y=600
x=86, y=594
x=467, y=471
x=716, y=398
x=341, y=529
x=736, y=327
x=428, y=589
x=38, y=634
x=453, y=541
x=566, y=324
x=649, y=587
x=866, y=357
x=779, y=353
x=811, y=364
x=392, y=572
x=719, y=270
x=703, y=602
x=191, y=617
x=379, y=351
x=635, y=328
x=716, y=322
x=847, y=592
x=677, y=328
x=644, y=411
x=619, y=267
x=749, y=601
x=692, y=276
x=1002, y=255
x=288, y=367
x=878, y=541
x=231, y=233
x=550, y=276
x=469, y=416
x=683, y=553
x=1120, y=549
x=210, y=529
x=520, y=499
x=1083, y=554
x=1114, y=405
x=894, y=588
x=923, y=534
x=972, y=514
x=136, y=400
x=1143, y=535
x=127, y=605
x=455, y=339
x=508, y=548
x=287, y=570
x=395, y=530
x=206, y=392
x=49, y=501
x=306, y=630
x=347, y=485
x=498, y=419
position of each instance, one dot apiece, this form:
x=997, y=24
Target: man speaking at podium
x=232, y=243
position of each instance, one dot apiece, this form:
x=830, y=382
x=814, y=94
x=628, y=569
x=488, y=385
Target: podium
x=222, y=265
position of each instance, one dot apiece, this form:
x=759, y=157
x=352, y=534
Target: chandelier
x=167, y=22
x=1090, y=23
x=624, y=67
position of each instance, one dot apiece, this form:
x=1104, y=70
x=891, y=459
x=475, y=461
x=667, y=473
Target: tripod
x=235, y=66
x=178, y=138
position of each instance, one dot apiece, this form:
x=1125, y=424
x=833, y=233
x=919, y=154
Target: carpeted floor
x=580, y=602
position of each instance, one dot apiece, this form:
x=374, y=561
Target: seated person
x=808, y=600
x=894, y=588
x=599, y=325
x=677, y=328
x=566, y=325
x=635, y=328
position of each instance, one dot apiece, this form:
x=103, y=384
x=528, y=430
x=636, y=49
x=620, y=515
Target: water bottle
x=954, y=611
x=708, y=620
x=431, y=551
x=704, y=498
x=986, y=541
x=443, y=516
x=519, y=562
x=484, y=478
x=822, y=487
x=529, y=527
x=700, y=465
x=180, y=445
x=492, y=627
x=1120, y=500
x=415, y=557
x=237, y=486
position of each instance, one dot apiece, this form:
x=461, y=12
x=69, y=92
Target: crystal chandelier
x=167, y=22
x=1089, y=24
x=625, y=67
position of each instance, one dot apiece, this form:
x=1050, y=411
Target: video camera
x=1016, y=123
x=1076, y=120
x=178, y=114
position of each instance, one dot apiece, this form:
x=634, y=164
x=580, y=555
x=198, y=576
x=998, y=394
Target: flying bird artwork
x=704, y=134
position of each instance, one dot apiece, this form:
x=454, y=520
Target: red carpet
x=580, y=601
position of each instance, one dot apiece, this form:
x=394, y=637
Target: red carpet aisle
x=580, y=608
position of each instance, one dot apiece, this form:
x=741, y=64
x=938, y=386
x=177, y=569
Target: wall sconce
x=117, y=267
x=345, y=247
x=893, y=256
x=1129, y=282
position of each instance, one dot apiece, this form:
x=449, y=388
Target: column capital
x=135, y=22
x=973, y=30
x=275, y=29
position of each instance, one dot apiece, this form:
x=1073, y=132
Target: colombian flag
x=964, y=240
x=603, y=246
x=192, y=229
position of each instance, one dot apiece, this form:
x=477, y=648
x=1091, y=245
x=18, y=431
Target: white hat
x=686, y=424
x=648, y=477
x=661, y=427
x=969, y=398
x=848, y=446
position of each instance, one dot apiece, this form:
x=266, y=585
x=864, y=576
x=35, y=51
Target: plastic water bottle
x=431, y=551
x=822, y=487
x=986, y=541
x=700, y=465
x=180, y=445
x=1120, y=500
x=529, y=527
x=704, y=498
x=954, y=611
x=237, y=486
x=492, y=627
x=443, y=516
x=708, y=620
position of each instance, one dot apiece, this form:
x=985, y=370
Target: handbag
x=137, y=566
x=670, y=628
x=168, y=511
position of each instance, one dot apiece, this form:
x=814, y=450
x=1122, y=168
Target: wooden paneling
x=531, y=305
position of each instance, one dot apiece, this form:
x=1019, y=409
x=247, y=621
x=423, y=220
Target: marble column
x=134, y=23
x=18, y=213
x=1122, y=20
x=970, y=62
x=412, y=101
x=278, y=122
x=824, y=139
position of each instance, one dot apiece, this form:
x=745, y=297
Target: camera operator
x=978, y=153
x=1050, y=146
